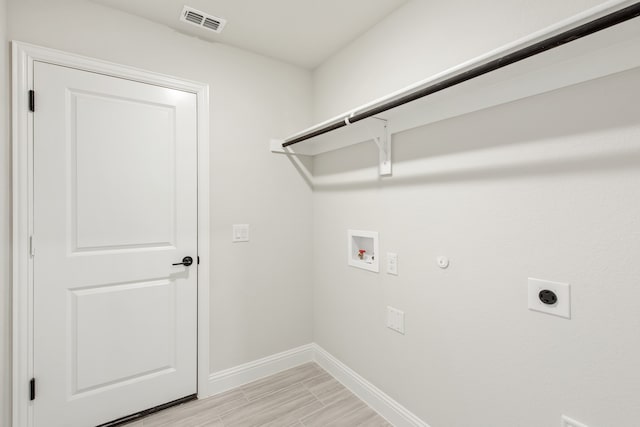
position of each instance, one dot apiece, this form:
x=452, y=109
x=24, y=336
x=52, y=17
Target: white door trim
x=24, y=56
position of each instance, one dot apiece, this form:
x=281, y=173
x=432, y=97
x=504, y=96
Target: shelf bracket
x=380, y=130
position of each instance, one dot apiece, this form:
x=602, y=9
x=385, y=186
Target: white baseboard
x=242, y=374
x=394, y=412
x=391, y=410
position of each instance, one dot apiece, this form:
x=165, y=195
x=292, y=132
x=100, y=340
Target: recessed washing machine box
x=363, y=249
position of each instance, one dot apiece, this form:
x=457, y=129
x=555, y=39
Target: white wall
x=423, y=38
x=260, y=304
x=5, y=243
x=546, y=187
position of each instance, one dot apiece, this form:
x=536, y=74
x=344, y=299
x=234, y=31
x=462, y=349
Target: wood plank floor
x=303, y=396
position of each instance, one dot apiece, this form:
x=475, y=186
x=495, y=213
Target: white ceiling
x=301, y=32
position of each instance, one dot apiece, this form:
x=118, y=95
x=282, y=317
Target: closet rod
x=565, y=37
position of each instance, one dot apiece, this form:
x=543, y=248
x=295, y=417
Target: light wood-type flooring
x=304, y=396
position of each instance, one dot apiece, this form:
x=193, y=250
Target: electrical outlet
x=550, y=297
x=568, y=422
x=395, y=319
x=392, y=263
x=240, y=233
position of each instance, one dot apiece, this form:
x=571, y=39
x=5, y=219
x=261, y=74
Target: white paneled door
x=115, y=206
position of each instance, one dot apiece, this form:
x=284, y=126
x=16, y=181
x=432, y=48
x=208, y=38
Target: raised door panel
x=123, y=172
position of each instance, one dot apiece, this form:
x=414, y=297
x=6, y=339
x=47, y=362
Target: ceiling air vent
x=201, y=19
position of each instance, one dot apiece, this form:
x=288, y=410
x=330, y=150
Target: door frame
x=23, y=57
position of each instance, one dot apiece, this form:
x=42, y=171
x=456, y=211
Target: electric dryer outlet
x=550, y=297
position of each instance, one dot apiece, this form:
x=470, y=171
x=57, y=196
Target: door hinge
x=32, y=100
x=32, y=389
x=32, y=248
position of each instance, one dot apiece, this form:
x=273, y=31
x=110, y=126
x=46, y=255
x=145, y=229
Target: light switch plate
x=561, y=308
x=395, y=319
x=240, y=233
x=568, y=422
x=392, y=263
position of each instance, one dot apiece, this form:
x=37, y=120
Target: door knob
x=186, y=261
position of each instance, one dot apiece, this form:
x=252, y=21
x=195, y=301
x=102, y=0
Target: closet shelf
x=592, y=45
